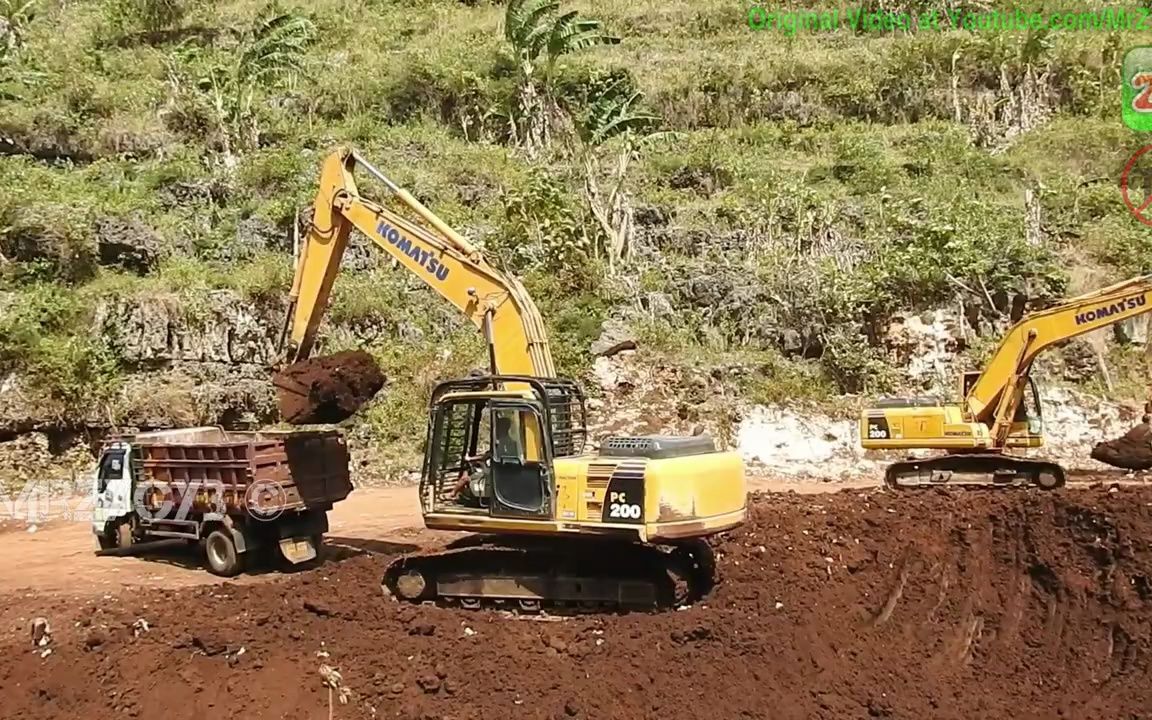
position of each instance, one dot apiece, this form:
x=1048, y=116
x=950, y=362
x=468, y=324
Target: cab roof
x=488, y=395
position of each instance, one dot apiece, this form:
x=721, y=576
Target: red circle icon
x=1143, y=211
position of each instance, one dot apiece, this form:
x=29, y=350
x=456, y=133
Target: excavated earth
x=1131, y=451
x=327, y=389
x=933, y=604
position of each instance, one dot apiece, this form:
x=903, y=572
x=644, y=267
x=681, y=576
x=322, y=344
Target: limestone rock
x=127, y=243
x=615, y=337
x=217, y=326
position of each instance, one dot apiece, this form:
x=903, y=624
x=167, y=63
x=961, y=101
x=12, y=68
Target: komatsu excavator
x=1000, y=408
x=623, y=528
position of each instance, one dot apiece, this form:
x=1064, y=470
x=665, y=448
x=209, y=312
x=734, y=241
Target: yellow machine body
x=662, y=494
x=649, y=489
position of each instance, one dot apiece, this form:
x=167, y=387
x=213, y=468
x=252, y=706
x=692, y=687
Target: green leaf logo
x=1136, y=93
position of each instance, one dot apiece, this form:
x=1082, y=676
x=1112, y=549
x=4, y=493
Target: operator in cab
x=474, y=488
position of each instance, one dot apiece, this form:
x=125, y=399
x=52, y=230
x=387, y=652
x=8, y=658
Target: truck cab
x=112, y=494
x=234, y=492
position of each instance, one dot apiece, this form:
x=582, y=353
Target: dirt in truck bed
x=936, y=603
x=327, y=389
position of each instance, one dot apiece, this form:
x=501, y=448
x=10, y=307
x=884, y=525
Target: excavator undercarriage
x=980, y=469
x=531, y=574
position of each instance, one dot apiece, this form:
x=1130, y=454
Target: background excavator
x=1000, y=408
x=622, y=528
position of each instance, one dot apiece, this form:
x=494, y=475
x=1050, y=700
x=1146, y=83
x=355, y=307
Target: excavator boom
x=495, y=302
x=1042, y=329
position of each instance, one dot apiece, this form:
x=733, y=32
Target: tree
x=271, y=55
x=539, y=37
x=613, y=127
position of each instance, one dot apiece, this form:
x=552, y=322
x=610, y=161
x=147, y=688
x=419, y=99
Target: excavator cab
x=490, y=448
x=1027, y=420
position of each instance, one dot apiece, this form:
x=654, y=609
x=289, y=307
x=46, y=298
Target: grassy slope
x=842, y=139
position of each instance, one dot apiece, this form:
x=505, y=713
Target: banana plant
x=15, y=17
x=539, y=35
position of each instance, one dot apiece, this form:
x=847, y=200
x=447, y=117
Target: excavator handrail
x=568, y=434
x=497, y=303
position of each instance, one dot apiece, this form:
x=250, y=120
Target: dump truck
x=236, y=494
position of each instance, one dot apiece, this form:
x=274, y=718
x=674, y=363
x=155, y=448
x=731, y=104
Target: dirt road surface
x=59, y=558
x=862, y=603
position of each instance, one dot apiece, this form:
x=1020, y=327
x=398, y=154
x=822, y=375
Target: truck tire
x=220, y=551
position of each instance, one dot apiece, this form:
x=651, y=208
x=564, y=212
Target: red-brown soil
x=1131, y=451
x=934, y=604
x=327, y=389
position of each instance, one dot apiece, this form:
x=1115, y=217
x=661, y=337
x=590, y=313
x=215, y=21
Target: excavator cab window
x=1029, y=409
x=488, y=456
x=521, y=473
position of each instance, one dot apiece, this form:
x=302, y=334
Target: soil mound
x=935, y=604
x=327, y=389
x=1132, y=451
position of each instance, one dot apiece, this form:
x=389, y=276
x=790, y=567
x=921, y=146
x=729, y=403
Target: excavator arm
x=993, y=397
x=496, y=303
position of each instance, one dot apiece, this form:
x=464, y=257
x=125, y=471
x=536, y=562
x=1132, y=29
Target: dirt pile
x=327, y=389
x=1131, y=451
x=942, y=604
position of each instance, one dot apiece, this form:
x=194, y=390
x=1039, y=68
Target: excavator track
x=530, y=575
x=974, y=469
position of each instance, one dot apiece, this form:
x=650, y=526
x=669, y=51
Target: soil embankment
x=943, y=604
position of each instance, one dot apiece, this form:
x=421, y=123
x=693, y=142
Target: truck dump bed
x=266, y=472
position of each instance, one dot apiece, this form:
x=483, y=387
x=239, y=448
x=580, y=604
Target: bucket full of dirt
x=327, y=389
x=1132, y=451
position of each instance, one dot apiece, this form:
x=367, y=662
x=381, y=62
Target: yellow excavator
x=1000, y=408
x=621, y=528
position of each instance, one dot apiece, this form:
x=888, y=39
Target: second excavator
x=1000, y=407
x=622, y=528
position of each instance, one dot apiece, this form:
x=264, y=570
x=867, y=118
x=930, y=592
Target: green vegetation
x=778, y=196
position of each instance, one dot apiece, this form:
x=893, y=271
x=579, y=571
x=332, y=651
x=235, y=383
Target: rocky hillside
x=802, y=220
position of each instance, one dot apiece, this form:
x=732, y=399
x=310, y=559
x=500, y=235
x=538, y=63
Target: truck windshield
x=111, y=467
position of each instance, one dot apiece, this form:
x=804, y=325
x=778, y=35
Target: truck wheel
x=223, y=560
x=106, y=542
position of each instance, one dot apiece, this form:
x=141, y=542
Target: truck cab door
x=112, y=486
x=523, y=485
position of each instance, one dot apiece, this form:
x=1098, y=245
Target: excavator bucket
x=327, y=389
x=1131, y=451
